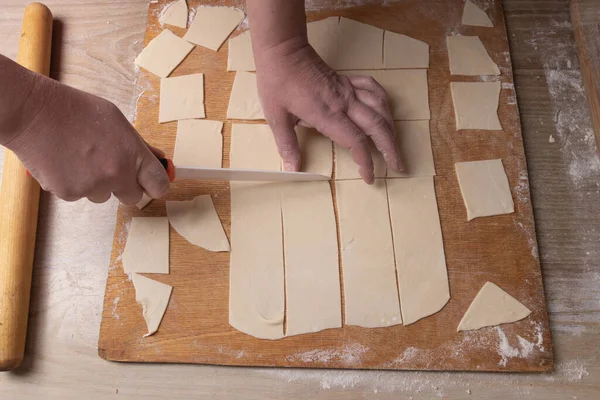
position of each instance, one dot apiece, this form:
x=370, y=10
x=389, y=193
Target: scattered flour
x=350, y=354
x=573, y=370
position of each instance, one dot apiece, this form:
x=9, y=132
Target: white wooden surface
x=96, y=42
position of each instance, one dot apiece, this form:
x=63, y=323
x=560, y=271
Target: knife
x=231, y=174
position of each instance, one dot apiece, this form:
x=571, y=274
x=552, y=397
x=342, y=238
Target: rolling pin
x=19, y=201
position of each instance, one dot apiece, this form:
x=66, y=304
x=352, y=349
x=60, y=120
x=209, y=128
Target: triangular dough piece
x=176, y=14
x=212, y=26
x=401, y=51
x=198, y=222
x=154, y=297
x=492, y=306
x=473, y=15
x=469, y=57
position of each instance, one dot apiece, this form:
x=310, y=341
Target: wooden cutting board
x=500, y=249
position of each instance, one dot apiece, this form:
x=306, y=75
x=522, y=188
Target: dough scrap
x=240, y=56
x=212, y=26
x=484, y=187
x=414, y=142
x=154, y=297
x=256, y=283
x=244, y=102
x=176, y=14
x=469, y=57
x=198, y=222
x=199, y=143
x=312, y=279
x=144, y=201
x=368, y=271
x=418, y=247
x=147, y=247
x=323, y=36
x=181, y=97
x=346, y=167
x=473, y=15
x=163, y=54
x=492, y=306
x=407, y=91
x=401, y=51
x=316, y=151
x=476, y=105
x=360, y=46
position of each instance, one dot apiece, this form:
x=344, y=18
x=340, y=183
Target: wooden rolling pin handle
x=19, y=201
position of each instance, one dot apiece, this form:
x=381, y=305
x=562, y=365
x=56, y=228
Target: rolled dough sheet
x=154, y=297
x=484, y=187
x=492, y=306
x=199, y=143
x=368, y=271
x=181, y=97
x=418, y=246
x=406, y=89
x=323, y=37
x=346, y=168
x=212, y=26
x=316, y=150
x=414, y=142
x=473, y=15
x=401, y=51
x=476, y=105
x=240, y=56
x=360, y=46
x=176, y=14
x=147, y=248
x=244, y=102
x=256, y=282
x=312, y=279
x=198, y=222
x=469, y=57
x=164, y=53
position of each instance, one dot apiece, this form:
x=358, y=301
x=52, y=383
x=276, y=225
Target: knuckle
x=379, y=122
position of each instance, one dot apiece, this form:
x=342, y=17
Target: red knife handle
x=169, y=167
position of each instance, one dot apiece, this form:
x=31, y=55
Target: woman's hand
x=78, y=145
x=297, y=87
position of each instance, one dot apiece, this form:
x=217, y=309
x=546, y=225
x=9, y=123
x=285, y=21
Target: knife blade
x=231, y=174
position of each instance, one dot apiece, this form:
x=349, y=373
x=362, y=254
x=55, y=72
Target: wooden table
x=100, y=39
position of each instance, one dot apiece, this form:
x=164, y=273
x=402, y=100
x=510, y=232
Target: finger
x=156, y=151
x=130, y=195
x=346, y=134
x=99, y=198
x=152, y=177
x=369, y=84
x=377, y=103
x=377, y=128
x=287, y=144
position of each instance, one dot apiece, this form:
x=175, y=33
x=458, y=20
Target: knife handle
x=169, y=167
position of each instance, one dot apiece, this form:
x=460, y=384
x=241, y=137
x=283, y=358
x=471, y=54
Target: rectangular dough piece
x=476, y=105
x=407, y=91
x=164, y=53
x=418, y=247
x=414, y=142
x=346, y=168
x=212, y=25
x=316, y=150
x=323, y=36
x=181, y=97
x=469, y=57
x=256, y=281
x=360, y=46
x=199, y=143
x=485, y=188
x=401, y=51
x=368, y=272
x=244, y=102
x=147, y=247
x=312, y=275
x=240, y=56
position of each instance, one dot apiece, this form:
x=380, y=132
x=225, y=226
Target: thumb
x=287, y=144
x=152, y=176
